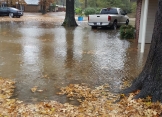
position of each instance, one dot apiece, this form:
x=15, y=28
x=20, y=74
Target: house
x=32, y=6
x=26, y=5
x=2, y=3
x=17, y=4
x=60, y=8
x=145, y=18
x=32, y=1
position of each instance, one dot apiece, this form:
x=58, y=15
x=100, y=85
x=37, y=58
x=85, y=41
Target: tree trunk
x=85, y=3
x=149, y=80
x=70, y=14
x=44, y=7
x=7, y=3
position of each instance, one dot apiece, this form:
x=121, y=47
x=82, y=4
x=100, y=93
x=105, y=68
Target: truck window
x=122, y=12
x=109, y=11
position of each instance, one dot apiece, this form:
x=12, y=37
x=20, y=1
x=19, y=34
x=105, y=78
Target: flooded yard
x=48, y=56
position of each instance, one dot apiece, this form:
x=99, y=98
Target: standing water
x=49, y=56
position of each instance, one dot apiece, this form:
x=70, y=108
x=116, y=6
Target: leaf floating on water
x=40, y=91
x=34, y=89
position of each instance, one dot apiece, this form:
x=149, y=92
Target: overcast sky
x=32, y=1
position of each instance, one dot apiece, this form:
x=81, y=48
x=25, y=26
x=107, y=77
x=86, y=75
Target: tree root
x=136, y=85
x=152, y=89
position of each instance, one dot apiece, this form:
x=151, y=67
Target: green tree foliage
x=133, y=7
x=90, y=10
x=124, y=4
x=79, y=11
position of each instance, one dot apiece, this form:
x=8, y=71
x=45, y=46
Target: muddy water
x=50, y=56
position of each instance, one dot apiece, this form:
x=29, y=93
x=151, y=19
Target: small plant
x=98, y=10
x=89, y=11
x=79, y=11
x=127, y=31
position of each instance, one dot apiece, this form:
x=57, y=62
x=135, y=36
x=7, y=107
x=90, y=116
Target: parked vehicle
x=11, y=12
x=109, y=17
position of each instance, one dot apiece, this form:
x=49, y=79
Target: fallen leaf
x=34, y=89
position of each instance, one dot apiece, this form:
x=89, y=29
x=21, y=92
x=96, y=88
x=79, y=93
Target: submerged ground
x=41, y=57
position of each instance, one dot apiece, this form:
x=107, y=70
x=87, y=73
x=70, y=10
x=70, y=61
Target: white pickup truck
x=109, y=17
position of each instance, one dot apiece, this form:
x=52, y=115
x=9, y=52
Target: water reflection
x=50, y=56
x=69, y=61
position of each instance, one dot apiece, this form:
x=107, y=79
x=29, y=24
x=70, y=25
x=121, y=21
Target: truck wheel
x=114, y=25
x=127, y=22
x=94, y=27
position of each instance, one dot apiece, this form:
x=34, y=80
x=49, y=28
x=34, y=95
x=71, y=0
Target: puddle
x=50, y=56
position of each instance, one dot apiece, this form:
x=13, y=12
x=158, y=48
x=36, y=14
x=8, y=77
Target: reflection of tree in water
x=69, y=61
x=47, y=51
x=78, y=61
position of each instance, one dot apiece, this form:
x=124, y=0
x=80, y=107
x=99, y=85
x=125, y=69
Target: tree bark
x=44, y=7
x=70, y=14
x=149, y=81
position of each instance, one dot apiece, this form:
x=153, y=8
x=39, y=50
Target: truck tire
x=94, y=27
x=127, y=22
x=114, y=26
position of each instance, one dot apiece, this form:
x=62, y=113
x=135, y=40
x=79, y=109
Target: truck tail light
x=109, y=18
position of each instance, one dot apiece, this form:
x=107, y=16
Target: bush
x=78, y=11
x=134, y=7
x=98, y=10
x=89, y=11
x=127, y=31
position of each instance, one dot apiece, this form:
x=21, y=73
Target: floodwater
x=49, y=56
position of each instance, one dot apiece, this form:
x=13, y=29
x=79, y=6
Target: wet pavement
x=49, y=56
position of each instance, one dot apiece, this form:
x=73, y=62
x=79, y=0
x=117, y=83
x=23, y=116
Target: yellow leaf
x=40, y=91
x=52, y=109
x=34, y=89
x=122, y=95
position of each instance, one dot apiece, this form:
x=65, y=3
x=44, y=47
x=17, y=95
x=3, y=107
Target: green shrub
x=89, y=11
x=127, y=31
x=134, y=7
x=98, y=10
x=78, y=11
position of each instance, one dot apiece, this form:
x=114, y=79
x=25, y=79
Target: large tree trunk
x=149, y=80
x=70, y=14
x=44, y=7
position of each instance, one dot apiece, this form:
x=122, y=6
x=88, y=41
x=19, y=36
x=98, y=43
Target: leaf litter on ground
x=98, y=102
